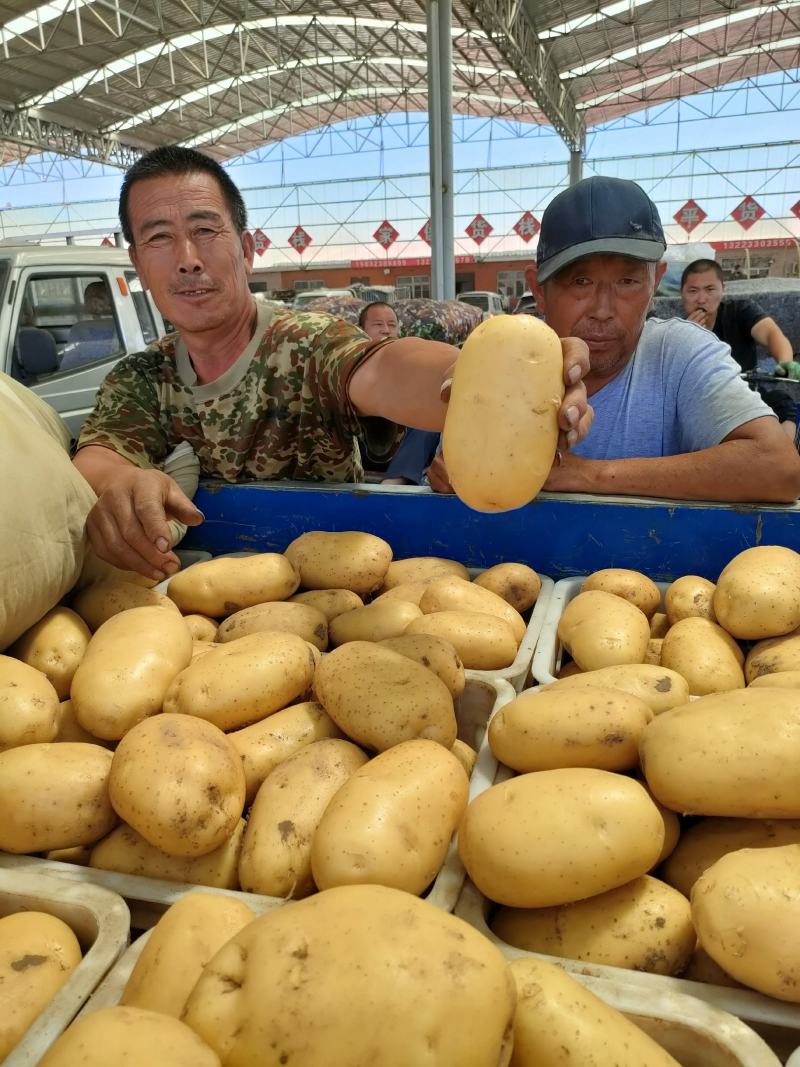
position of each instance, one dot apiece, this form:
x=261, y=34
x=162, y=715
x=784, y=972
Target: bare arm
x=404, y=380
x=128, y=525
x=756, y=462
x=768, y=333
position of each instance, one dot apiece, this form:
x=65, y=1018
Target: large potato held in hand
x=179, y=781
x=419, y=987
x=501, y=427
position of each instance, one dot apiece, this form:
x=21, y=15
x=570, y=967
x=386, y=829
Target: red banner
x=689, y=216
x=795, y=209
x=527, y=226
x=420, y=261
x=748, y=212
x=107, y=242
x=299, y=239
x=425, y=232
x=763, y=242
x=386, y=234
x=479, y=229
x=261, y=242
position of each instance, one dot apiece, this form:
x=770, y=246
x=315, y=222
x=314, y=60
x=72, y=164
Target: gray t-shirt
x=681, y=392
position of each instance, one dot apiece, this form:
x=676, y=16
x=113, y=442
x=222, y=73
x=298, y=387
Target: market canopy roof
x=105, y=79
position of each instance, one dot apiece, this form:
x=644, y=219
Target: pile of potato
x=354, y=975
x=202, y=737
x=693, y=710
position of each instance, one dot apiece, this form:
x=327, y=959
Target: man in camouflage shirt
x=258, y=393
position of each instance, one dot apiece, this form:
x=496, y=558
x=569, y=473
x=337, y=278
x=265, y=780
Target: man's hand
x=790, y=370
x=699, y=316
x=575, y=416
x=437, y=475
x=569, y=474
x=128, y=525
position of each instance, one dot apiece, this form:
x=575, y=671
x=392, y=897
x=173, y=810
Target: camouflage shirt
x=280, y=411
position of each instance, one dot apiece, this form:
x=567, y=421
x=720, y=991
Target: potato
x=455, y=594
x=482, y=642
x=707, y=841
x=559, y=1021
x=434, y=653
x=421, y=569
x=29, y=711
x=409, y=591
x=106, y=1039
x=632, y=586
x=375, y=622
x=758, y=593
x=380, y=698
x=779, y=680
x=705, y=655
x=331, y=602
x=220, y=587
x=352, y=560
x=69, y=729
x=54, y=796
x=672, y=829
x=38, y=953
x=501, y=427
x=276, y=854
x=199, y=648
x=96, y=604
x=202, y=627
x=690, y=597
x=183, y=941
x=653, y=654
x=553, y=837
x=773, y=656
x=658, y=687
x=701, y=968
x=127, y=852
x=746, y=909
x=659, y=625
x=179, y=782
x=644, y=925
x=55, y=646
x=546, y=729
x=128, y=667
x=300, y=619
x=243, y=681
x=516, y=583
x=79, y=855
x=728, y=754
x=600, y=629
x=465, y=755
x=392, y=821
x=265, y=744
x=421, y=987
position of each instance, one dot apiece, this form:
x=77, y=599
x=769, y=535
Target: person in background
x=378, y=320
x=256, y=391
x=673, y=417
x=738, y=321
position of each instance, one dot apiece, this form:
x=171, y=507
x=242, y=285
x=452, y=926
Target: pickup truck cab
x=67, y=314
x=488, y=303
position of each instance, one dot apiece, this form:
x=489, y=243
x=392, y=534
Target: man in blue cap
x=672, y=416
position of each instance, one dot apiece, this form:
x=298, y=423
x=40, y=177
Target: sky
x=688, y=148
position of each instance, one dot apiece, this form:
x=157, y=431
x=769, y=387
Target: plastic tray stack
x=149, y=898
x=547, y=656
x=777, y=1022
x=100, y=921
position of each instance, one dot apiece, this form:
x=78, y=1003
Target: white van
x=67, y=314
x=488, y=303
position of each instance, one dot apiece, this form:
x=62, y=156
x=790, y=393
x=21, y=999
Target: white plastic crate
x=778, y=1021
x=548, y=653
x=100, y=921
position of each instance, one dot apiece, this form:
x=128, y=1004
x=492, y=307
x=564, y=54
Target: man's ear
x=660, y=271
x=532, y=278
x=249, y=249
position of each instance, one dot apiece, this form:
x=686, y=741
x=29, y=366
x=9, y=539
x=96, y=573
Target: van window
x=65, y=322
x=145, y=315
x=5, y=265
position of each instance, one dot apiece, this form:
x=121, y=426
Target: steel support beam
x=575, y=166
x=512, y=33
x=446, y=105
x=435, y=152
x=24, y=128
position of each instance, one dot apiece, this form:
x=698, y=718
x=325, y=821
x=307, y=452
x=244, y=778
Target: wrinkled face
x=604, y=300
x=380, y=322
x=702, y=291
x=187, y=252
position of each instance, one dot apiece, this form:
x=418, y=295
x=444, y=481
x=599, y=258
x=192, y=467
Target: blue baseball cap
x=599, y=215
